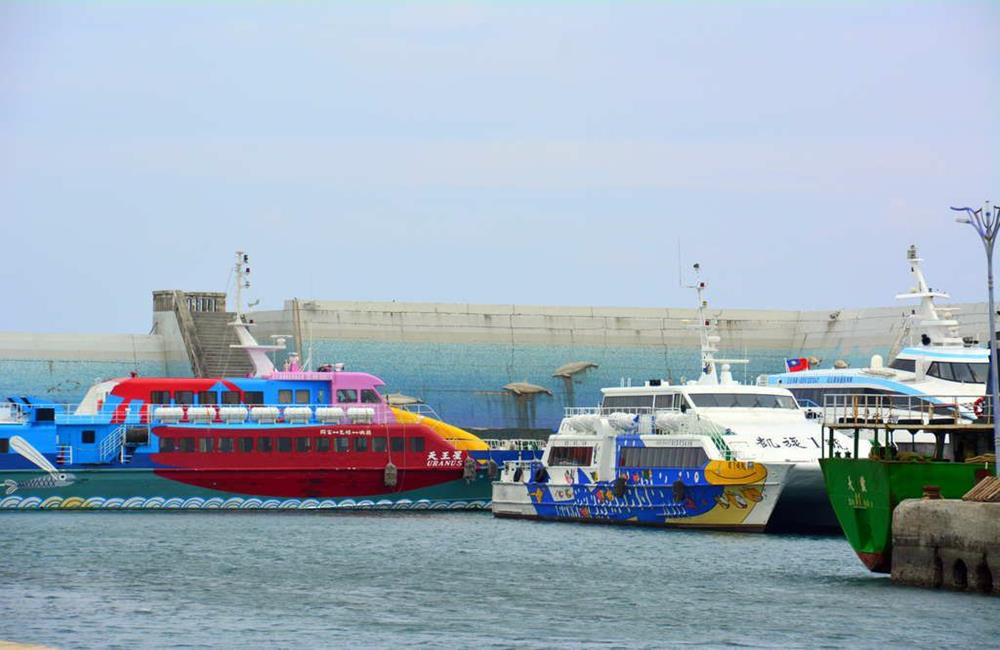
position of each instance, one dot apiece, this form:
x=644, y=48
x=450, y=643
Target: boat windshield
x=742, y=400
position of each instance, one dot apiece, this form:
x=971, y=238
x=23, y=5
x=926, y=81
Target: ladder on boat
x=113, y=445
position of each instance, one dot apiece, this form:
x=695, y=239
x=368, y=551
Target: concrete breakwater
x=459, y=357
x=947, y=543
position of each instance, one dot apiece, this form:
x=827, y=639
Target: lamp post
x=986, y=221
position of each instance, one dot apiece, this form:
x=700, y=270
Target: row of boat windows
x=703, y=400
x=964, y=373
x=663, y=457
x=571, y=456
x=337, y=444
x=252, y=397
x=742, y=400
x=662, y=402
x=814, y=396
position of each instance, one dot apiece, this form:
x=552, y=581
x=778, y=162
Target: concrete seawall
x=458, y=357
x=947, y=543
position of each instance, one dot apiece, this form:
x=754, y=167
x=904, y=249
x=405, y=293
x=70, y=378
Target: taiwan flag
x=795, y=365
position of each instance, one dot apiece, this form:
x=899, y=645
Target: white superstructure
x=936, y=365
x=761, y=424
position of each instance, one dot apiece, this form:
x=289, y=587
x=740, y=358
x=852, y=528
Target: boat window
x=396, y=443
x=302, y=444
x=742, y=400
x=909, y=365
x=941, y=371
x=979, y=372
x=962, y=372
x=166, y=445
x=207, y=397
x=285, y=396
x=342, y=444
x=665, y=402
x=368, y=396
x=231, y=397
x=302, y=396
x=560, y=456
x=253, y=397
x=361, y=444
x=627, y=401
x=322, y=444
x=284, y=443
x=246, y=444
x=347, y=395
x=159, y=397
x=378, y=444
x=663, y=457
x=88, y=436
x=184, y=397
x=225, y=444
x=417, y=443
x=264, y=444
x=4, y=445
x=205, y=445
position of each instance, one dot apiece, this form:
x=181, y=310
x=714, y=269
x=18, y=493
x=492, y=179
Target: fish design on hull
x=54, y=479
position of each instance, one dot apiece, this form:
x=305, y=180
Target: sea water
x=378, y=579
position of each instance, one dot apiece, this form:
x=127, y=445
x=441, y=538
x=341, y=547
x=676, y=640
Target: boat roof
x=697, y=389
x=947, y=353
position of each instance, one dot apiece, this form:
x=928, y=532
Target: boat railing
x=863, y=410
x=515, y=444
x=571, y=411
x=418, y=408
x=157, y=414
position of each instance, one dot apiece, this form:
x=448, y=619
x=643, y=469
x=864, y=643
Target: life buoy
x=979, y=406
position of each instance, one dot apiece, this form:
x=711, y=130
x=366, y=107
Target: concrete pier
x=947, y=543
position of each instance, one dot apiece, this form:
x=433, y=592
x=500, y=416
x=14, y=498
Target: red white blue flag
x=796, y=365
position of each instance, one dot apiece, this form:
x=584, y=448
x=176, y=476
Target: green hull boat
x=864, y=492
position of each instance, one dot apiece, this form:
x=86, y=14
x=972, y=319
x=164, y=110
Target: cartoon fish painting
x=54, y=479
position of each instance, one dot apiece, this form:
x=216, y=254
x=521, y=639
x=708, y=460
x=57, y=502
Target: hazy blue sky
x=508, y=152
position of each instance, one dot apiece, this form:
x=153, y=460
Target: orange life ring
x=977, y=406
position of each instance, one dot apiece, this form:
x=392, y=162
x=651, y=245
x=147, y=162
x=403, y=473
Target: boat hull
x=144, y=489
x=745, y=507
x=864, y=493
x=804, y=506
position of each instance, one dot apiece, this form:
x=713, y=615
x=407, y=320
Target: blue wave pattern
x=232, y=503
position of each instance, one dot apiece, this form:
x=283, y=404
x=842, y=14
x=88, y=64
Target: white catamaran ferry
x=936, y=373
x=689, y=431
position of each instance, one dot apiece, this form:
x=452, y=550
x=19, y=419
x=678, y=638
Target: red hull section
x=310, y=461
x=876, y=562
x=317, y=484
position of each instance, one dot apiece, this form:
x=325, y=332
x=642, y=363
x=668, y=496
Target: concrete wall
x=947, y=543
x=458, y=357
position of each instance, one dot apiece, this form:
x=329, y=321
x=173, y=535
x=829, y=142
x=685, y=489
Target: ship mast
x=709, y=340
x=262, y=364
x=926, y=318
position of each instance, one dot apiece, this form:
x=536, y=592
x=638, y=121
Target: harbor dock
x=947, y=543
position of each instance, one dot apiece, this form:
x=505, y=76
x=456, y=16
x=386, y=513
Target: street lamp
x=986, y=221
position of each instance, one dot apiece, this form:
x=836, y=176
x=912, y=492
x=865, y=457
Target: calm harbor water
x=206, y=580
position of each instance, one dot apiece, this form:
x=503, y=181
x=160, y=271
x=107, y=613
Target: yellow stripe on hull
x=460, y=438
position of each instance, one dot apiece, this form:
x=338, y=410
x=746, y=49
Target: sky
x=556, y=153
